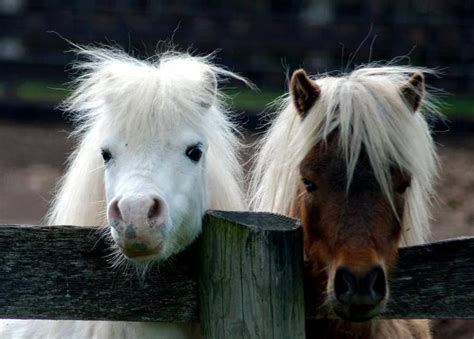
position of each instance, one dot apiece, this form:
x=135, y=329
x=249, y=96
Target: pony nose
x=156, y=212
x=368, y=289
x=150, y=210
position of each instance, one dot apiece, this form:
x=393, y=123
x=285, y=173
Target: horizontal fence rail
x=247, y=266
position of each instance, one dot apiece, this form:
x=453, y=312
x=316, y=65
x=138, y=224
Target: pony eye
x=106, y=155
x=309, y=186
x=194, y=152
x=402, y=187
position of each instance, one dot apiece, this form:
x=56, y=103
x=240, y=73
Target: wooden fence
x=243, y=278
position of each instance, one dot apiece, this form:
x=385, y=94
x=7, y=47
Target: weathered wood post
x=251, y=276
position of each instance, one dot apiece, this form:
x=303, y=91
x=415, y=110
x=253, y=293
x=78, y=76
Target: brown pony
x=353, y=158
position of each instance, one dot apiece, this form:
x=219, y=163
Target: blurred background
x=263, y=40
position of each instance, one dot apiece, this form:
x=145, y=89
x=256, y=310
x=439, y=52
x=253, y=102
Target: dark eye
x=309, y=186
x=400, y=189
x=194, y=152
x=106, y=155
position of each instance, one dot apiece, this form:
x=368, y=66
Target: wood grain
x=251, y=276
x=432, y=281
x=62, y=272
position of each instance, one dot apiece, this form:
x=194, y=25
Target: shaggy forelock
x=140, y=99
x=368, y=111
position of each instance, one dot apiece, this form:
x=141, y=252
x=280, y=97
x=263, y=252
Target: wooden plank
x=251, y=276
x=62, y=272
x=432, y=281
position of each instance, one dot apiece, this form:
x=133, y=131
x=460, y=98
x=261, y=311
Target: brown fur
x=304, y=91
x=353, y=227
x=361, y=219
x=341, y=160
x=414, y=90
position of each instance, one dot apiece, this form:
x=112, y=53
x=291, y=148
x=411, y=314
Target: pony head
x=154, y=138
x=358, y=173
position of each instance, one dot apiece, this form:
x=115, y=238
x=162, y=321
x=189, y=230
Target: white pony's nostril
x=157, y=211
x=138, y=211
x=113, y=212
x=154, y=209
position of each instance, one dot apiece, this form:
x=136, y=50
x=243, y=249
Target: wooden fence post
x=251, y=276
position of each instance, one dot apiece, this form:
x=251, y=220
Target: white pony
x=156, y=150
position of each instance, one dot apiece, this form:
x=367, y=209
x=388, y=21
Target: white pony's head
x=159, y=130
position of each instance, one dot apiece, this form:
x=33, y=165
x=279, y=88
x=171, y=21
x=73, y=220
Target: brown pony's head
x=352, y=229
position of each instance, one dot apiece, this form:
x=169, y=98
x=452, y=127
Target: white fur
x=146, y=113
x=368, y=109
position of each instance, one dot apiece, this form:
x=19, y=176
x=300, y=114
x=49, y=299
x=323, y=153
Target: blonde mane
x=368, y=110
x=141, y=98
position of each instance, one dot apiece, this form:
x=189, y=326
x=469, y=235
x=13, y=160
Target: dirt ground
x=32, y=158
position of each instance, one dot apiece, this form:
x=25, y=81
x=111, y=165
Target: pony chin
x=155, y=253
x=356, y=314
x=151, y=250
x=173, y=240
x=145, y=258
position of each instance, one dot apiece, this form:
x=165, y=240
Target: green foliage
x=255, y=101
x=243, y=100
x=458, y=107
x=38, y=91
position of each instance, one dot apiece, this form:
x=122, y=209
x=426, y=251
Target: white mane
x=139, y=98
x=367, y=108
x=116, y=91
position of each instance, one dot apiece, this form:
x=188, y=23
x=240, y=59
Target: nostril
x=154, y=209
x=377, y=283
x=345, y=284
x=157, y=211
x=114, y=212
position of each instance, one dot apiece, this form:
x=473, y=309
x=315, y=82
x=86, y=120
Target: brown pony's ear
x=304, y=91
x=414, y=90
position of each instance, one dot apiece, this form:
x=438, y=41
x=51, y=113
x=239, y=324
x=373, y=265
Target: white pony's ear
x=414, y=90
x=304, y=91
x=210, y=90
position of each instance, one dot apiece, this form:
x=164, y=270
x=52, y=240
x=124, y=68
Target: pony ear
x=304, y=91
x=210, y=90
x=414, y=90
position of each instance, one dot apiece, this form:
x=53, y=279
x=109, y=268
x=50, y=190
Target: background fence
x=259, y=39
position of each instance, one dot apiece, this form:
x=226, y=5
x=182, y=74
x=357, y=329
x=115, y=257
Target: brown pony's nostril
x=370, y=289
x=345, y=284
x=375, y=283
